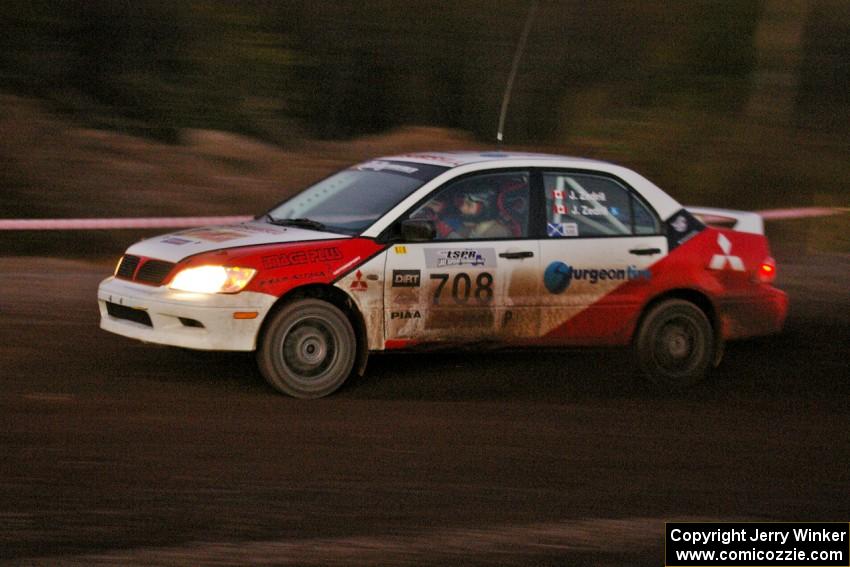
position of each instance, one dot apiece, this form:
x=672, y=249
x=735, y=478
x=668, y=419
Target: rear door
x=601, y=240
x=478, y=280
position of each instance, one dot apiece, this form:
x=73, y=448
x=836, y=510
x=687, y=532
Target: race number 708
x=462, y=287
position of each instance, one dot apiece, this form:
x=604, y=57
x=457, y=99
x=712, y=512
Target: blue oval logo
x=557, y=277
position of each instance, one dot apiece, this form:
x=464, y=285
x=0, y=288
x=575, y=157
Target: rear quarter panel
x=716, y=263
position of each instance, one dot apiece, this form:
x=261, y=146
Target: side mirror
x=418, y=230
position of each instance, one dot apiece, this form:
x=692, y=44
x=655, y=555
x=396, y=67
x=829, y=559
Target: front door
x=478, y=280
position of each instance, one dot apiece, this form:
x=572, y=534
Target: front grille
x=153, y=271
x=127, y=267
x=128, y=313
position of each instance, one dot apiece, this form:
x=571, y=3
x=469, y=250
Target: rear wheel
x=675, y=344
x=308, y=349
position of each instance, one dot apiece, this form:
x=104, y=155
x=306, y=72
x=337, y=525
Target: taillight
x=766, y=271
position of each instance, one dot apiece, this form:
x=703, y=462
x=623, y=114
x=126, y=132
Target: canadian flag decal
x=719, y=261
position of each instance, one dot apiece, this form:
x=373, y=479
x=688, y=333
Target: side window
x=493, y=205
x=588, y=205
x=645, y=221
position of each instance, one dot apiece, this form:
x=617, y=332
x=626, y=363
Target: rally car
x=455, y=249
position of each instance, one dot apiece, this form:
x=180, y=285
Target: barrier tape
x=106, y=224
x=782, y=214
x=187, y=222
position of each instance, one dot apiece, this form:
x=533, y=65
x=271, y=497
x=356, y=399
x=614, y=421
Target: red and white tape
x=187, y=222
x=783, y=214
x=104, y=224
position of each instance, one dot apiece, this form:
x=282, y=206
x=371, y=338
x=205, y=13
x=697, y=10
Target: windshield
x=353, y=199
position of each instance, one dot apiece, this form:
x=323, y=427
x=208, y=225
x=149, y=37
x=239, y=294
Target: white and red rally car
x=424, y=250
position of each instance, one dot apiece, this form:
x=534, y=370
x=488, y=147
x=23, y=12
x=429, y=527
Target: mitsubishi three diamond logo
x=719, y=261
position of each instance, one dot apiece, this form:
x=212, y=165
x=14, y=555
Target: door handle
x=645, y=251
x=516, y=255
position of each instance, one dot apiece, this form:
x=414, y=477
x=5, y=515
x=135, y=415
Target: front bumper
x=177, y=318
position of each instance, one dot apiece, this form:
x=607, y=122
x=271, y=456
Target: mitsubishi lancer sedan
x=458, y=249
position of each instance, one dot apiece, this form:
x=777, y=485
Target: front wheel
x=675, y=344
x=308, y=349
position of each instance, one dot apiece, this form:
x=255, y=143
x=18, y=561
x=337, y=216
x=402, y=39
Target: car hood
x=179, y=245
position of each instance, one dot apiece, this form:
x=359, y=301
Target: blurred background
x=118, y=108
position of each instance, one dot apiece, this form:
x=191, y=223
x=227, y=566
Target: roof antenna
x=506, y=98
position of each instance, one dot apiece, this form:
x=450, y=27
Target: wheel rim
x=677, y=345
x=309, y=349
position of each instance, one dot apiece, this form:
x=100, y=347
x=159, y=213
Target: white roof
x=455, y=159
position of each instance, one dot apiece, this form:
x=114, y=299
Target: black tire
x=675, y=344
x=308, y=349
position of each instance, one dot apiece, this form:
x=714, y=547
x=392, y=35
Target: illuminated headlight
x=212, y=279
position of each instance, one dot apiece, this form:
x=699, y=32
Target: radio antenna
x=520, y=47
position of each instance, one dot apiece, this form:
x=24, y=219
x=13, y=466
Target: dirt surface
x=119, y=453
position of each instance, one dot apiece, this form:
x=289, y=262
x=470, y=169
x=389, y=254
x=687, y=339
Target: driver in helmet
x=479, y=215
x=444, y=215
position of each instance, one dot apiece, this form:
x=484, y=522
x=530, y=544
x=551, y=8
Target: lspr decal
x=460, y=257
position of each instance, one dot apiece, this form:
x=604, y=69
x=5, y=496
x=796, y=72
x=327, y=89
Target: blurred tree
x=278, y=70
x=380, y=64
x=823, y=100
x=155, y=67
x=35, y=50
x=779, y=41
x=241, y=68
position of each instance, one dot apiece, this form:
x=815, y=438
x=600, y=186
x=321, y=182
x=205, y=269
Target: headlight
x=212, y=279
